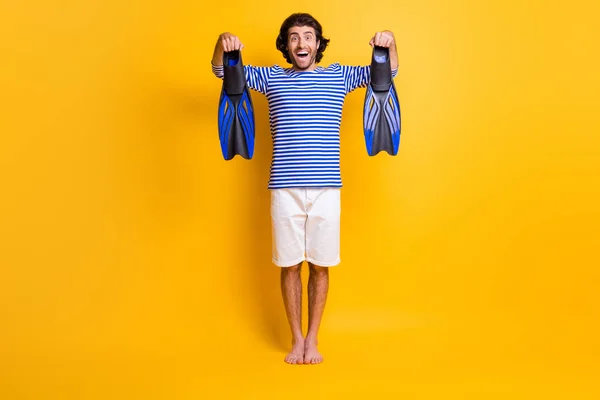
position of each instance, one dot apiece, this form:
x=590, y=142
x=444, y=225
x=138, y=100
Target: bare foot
x=296, y=356
x=311, y=354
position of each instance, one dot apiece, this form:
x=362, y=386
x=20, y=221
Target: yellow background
x=135, y=261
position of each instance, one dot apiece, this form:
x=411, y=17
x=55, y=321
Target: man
x=305, y=109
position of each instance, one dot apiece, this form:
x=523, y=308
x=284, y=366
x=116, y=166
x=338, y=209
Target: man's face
x=302, y=47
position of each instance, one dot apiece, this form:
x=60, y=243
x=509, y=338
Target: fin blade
x=226, y=119
x=246, y=114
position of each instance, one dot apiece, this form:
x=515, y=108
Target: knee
x=318, y=271
x=294, y=269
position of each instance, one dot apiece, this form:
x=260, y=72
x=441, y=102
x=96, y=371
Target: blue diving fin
x=381, y=118
x=236, y=113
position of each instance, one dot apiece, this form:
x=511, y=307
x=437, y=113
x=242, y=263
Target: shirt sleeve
x=256, y=77
x=359, y=76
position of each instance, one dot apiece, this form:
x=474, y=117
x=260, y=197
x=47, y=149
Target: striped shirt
x=305, y=114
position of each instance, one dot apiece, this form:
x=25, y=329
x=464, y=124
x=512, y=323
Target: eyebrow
x=305, y=32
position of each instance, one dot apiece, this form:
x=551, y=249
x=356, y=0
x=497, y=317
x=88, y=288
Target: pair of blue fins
x=381, y=117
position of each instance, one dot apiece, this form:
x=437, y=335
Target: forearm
x=217, y=58
x=393, y=56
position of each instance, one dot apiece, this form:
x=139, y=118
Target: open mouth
x=302, y=54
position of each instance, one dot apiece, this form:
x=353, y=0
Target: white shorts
x=306, y=226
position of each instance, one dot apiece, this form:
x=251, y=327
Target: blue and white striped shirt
x=305, y=114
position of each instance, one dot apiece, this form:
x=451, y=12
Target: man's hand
x=383, y=39
x=229, y=42
x=226, y=42
x=386, y=39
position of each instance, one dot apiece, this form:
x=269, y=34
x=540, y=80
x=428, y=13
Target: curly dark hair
x=300, y=19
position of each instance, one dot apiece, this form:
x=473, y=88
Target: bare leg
x=318, y=285
x=291, y=289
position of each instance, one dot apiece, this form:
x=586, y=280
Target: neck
x=312, y=67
